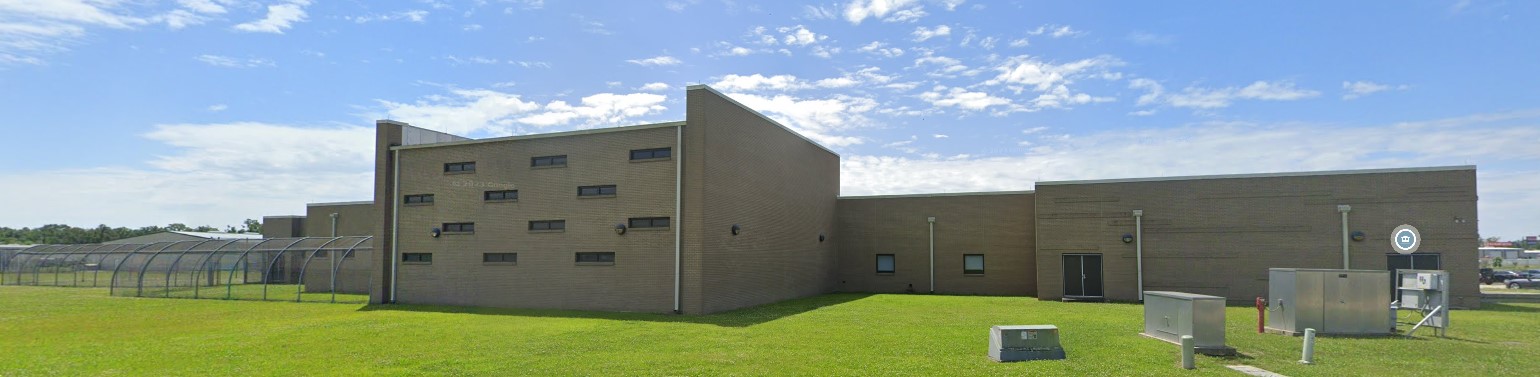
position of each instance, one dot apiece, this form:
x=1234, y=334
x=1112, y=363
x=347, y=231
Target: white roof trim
x=219, y=235
x=1262, y=175
x=284, y=217
x=339, y=204
x=941, y=194
x=544, y=135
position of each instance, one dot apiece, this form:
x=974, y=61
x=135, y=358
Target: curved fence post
x=301, y=277
x=112, y=285
x=270, y=265
x=213, y=276
x=86, y=259
x=299, y=293
x=338, y=266
x=242, y=260
x=37, y=270
x=97, y=271
x=171, y=272
x=30, y=254
x=140, y=291
x=141, y=271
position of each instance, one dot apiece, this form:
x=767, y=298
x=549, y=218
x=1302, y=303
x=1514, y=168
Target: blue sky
x=212, y=111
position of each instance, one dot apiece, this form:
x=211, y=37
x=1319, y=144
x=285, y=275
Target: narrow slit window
x=652, y=153
x=548, y=225
x=459, y=227
x=601, y=257
x=501, y=195
x=418, y=199
x=648, y=222
x=548, y=161
x=603, y=190
x=459, y=167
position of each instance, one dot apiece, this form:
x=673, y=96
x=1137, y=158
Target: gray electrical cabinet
x=1025, y=342
x=1425, y=292
x=1348, y=302
x=1170, y=315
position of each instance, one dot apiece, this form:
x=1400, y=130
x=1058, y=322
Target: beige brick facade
x=995, y=225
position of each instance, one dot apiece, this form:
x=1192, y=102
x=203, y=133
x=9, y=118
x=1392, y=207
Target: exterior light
x=436, y=232
x=737, y=229
x=820, y=237
x=620, y=228
x=1128, y=238
x=1358, y=236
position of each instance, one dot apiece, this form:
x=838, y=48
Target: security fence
x=301, y=269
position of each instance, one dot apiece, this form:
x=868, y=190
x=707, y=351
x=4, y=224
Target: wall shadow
x=735, y=318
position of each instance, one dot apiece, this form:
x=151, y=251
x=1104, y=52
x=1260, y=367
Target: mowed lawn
x=84, y=332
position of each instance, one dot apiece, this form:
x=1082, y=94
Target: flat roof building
x=728, y=209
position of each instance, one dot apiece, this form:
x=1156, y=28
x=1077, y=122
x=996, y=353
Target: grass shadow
x=1508, y=307
x=743, y=317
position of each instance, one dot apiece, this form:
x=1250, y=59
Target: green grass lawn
x=83, y=331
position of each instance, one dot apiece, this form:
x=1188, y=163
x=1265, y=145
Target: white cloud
x=411, y=15
x=945, y=66
x=471, y=60
x=1021, y=42
x=941, y=96
x=1056, y=31
x=202, y=6
x=859, y=10
x=218, y=107
x=1506, y=180
x=654, y=87
x=491, y=112
x=1025, y=71
x=879, y=48
x=471, y=27
x=1149, y=39
x=215, y=174
x=759, y=82
x=800, y=36
x=230, y=62
x=922, y=33
x=656, y=61
x=1213, y=98
x=818, y=12
x=822, y=120
x=33, y=30
x=907, y=15
x=1356, y=89
x=279, y=17
x=939, y=136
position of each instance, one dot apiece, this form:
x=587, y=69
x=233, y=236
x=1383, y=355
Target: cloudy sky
x=148, y=112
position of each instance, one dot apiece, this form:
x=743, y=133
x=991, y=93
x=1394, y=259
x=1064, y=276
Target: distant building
x=174, y=235
x=1507, y=253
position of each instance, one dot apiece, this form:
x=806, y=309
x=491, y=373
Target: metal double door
x=1083, y=275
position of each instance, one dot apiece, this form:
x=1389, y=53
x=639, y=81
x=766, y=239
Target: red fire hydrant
x=1261, y=313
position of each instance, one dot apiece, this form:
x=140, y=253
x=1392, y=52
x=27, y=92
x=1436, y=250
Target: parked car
x=1524, y=283
x=1499, y=277
x=1532, y=274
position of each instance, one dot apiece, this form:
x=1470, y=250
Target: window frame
x=650, y=222
x=486, y=196
x=422, y=199
x=500, y=258
x=416, y=258
x=598, y=191
x=978, y=272
x=459, y=228
x=534, y=162
x=460, y=167
x=604, y=258
x=652, y=154
x=893, y=264
x=548, y=224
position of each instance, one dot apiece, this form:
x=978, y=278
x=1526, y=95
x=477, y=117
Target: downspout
x=333, y=255
x=395, y=222
x=1139, y=248
x=1344, y=209
x=334, y=224
x=678, y=178
x=932, y=221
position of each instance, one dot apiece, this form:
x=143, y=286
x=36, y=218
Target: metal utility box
x=1169, y=315
x=1425, y=293
x=1027, y=342
x=1349, y=302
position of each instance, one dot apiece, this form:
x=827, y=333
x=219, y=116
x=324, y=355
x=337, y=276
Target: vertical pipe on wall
x=678, y=178
x=334, y=224
x=395, y=221
x=932, y=221
x=1139, y=248
x=1344, y=209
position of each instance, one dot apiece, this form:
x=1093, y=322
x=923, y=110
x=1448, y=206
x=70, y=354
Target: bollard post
x=1187, y=350
x=1309, y=354
x=1261, y=314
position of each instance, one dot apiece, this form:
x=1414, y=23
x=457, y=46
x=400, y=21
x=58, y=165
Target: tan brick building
x=729, y=209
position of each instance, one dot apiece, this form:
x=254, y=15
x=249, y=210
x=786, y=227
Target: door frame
x=1101, y=268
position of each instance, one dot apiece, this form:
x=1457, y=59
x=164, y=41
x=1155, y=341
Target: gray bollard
x=1187, y=350
x=1309, y=355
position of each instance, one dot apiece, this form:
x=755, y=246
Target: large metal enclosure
x=1350, y=302
x=1024, y=342
x=1170, y=315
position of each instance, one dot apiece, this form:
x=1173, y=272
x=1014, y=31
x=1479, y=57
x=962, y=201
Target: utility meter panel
x=1425, y=293
x=1025, y=342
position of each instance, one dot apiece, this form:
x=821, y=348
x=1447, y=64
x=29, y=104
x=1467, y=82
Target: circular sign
x=1405, y=239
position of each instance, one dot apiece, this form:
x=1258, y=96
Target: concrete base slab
x=1253, y=371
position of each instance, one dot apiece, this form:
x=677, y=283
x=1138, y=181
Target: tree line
x=65, y=234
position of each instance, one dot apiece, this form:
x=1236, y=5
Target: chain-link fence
x=326, y=269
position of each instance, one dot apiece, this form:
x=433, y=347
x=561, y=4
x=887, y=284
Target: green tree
x=1497, y=262
x=253, y=226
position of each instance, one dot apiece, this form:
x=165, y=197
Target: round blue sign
x=1405, y=239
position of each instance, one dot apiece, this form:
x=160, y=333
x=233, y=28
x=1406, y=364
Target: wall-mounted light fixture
x=436, y=232
x=737, y=229
x=820, y=237
x=1358, y=235
x=620, y=228
x=1128, y=238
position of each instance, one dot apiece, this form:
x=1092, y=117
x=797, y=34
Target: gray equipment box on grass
x=1343, y=302
x=1028, y=342
x=1169, y=315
